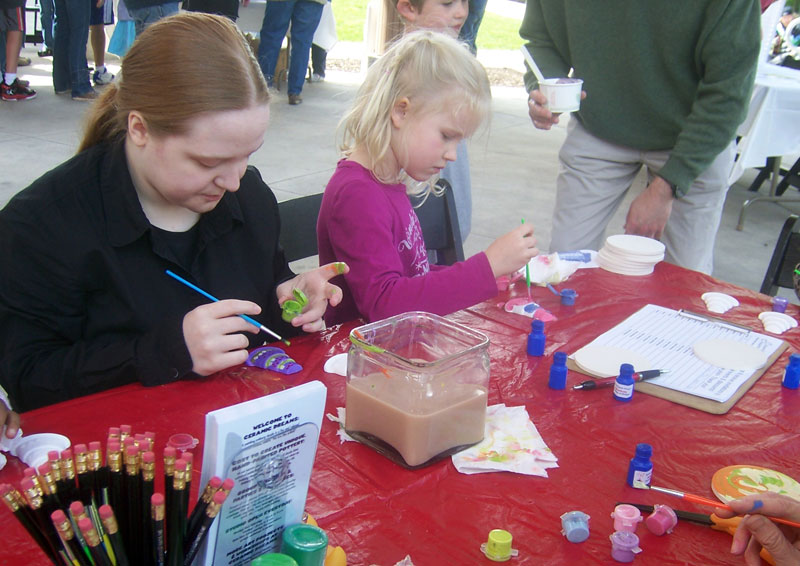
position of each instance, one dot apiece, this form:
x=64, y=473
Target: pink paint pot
x=624, y=546
x=626, y=518
x=662, y=520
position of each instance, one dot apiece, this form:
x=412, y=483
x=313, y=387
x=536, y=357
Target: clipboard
x=687, y=399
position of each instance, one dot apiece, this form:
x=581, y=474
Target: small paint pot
x=779, y=304
x=626, y=518
x=662, y=520
x=498, y=547
x=575, y=526
x=307, y=544
x=568, y=297
x=624, y=546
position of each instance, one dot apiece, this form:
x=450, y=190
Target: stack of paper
x=630, y=255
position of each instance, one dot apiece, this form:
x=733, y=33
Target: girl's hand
x=318, y=291
x=213, y=334
x=756, y=531
x=8, y=419
x=510, y=252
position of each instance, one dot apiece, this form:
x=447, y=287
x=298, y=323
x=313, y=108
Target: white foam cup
x=563, y=95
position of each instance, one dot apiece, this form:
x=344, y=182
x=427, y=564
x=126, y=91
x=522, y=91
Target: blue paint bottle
x=791, y=376
x=623, y=386
x=558, y=371
x=640, y=470
x=536, y=339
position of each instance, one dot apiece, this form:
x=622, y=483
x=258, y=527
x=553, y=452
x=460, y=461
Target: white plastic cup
x=563, y=95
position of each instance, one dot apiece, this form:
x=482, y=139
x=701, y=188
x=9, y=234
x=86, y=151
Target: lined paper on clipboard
x=665, y=337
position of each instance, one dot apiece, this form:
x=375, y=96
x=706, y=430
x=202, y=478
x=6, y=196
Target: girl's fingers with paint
x=510, y=252
x=757, y=531
x=9, y=420
x=315, y=288
x=213, y=334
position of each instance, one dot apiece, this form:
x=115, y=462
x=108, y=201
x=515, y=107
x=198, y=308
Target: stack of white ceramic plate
x=630, y=255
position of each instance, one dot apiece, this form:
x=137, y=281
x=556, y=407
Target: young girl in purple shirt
x=418, y=101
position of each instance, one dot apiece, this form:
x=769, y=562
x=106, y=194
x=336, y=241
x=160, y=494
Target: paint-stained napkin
x=511, y=444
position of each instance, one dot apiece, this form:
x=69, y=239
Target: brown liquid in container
x=419, y=422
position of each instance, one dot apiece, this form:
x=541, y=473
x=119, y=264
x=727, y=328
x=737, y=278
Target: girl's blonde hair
x=180, y=67
x=435, y=72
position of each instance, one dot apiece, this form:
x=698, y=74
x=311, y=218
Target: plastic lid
x=274, y=559
x=307, y=544
x=624, y=540
x=626, y=369
x=537, y=325
x=182, y=441
x=498, y=547
x=560, y=358
x=644, y=450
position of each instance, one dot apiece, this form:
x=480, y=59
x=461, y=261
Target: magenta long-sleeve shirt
x=373, y=228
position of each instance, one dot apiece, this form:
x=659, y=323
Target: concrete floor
x=513, y=164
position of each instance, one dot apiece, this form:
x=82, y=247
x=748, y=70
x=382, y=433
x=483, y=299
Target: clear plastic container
x=417, y=387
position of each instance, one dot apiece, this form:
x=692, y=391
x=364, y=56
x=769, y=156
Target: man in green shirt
x=667, y=84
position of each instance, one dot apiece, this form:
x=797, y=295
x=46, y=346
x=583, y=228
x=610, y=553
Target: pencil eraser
x=58, y=516
x=215, y=482
x=85, y=525
x=76, y=508
x=113, y=431
x=228, y=484
x=113, y=446
x=27, y=483
x=220, y=497
x=29, y=472
x=170, y=452
x=94, y=445
x=180, y=464
x=157, y=499
x=188, y=456
x=125, y=428
x=45, y=468
x=106, y=512
x=66, y=454
x=5, y=488
x=149, y=457
x=79, y=448
x=52, y=455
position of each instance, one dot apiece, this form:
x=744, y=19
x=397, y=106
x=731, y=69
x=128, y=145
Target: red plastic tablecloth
x=380, y=512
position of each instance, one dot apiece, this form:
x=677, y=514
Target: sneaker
x=88, y=95
x=46, y=52
x=295, y=99
x=23, y=61
x=315, y=78
x=101, y=78
x=15, y=91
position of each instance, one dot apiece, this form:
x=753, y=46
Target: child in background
x=417, y=103
x=447, y=16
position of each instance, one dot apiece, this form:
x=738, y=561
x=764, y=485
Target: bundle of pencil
x=82, y=511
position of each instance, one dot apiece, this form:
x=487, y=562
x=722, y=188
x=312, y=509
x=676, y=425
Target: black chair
x=299, y=226
x=439, y=222
x=786, y=255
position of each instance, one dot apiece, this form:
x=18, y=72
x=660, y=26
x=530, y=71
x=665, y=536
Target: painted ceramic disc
x=604, y=361
x=733, y=482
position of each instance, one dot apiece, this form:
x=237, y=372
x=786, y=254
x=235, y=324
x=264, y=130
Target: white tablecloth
x=772, y=126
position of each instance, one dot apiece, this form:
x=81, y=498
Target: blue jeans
x=143, y=17
x=71, y=32
x=47, y=8
x=469, y=31
x=304, y=16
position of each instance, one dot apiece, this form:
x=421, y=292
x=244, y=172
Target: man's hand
x=650, y=210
